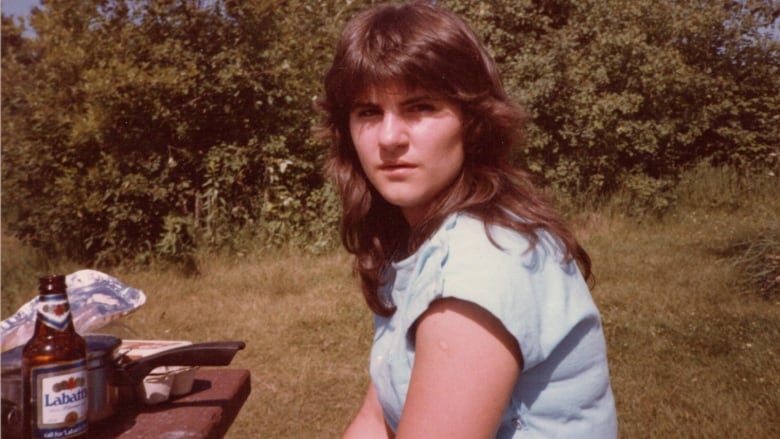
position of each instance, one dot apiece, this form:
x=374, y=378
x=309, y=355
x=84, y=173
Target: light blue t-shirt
x=563, y=390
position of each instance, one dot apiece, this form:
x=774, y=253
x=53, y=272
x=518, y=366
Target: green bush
x=626, y=95
x=141, y=129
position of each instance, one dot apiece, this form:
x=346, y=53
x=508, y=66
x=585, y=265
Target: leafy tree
x=629, y=93
x=140, y=121
x=300, y=36
x=141, y=128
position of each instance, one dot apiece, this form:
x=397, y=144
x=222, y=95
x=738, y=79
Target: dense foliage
x=625, y=94
x=141, y=128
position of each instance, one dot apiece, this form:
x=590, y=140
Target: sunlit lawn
x=693, y=353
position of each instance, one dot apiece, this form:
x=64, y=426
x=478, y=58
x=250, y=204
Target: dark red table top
x=207, y=412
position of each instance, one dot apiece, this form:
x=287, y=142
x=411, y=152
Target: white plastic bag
x=96, y=299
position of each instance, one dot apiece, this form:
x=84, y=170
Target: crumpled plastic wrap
x=96, y=299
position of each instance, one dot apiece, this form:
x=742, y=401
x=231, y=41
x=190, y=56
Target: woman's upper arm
x=466, y=365
x=369, y=421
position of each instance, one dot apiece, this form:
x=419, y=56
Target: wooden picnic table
x=207, y=412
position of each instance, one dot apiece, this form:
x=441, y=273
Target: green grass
x=692, y=337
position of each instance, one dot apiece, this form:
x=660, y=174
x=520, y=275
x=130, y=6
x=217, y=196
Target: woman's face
x=410, y=145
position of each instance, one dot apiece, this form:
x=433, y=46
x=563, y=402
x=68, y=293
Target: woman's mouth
x=396, y=169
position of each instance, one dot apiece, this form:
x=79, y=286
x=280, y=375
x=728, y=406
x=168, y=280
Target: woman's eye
x=422, y=108
x=365, y=112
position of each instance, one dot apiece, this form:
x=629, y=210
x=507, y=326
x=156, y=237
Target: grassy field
x=693, y=329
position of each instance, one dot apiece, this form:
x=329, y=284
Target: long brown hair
x=425, y=46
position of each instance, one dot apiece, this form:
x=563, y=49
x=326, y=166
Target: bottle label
x=60, y=399
x=54, y=311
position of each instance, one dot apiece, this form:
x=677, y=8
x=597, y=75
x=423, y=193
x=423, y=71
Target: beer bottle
x=54, y=369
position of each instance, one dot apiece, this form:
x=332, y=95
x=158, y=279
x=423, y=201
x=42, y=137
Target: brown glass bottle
x=54, y=369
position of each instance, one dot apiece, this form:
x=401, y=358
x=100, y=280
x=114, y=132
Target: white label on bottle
x=54, y=311
x=61, y=399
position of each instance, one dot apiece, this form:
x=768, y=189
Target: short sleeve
x=524, y=288
x=540, y=299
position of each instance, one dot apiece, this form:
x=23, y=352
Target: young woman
x=484, y=324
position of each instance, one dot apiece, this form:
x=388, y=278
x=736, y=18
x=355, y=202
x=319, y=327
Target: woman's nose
x=392, y=132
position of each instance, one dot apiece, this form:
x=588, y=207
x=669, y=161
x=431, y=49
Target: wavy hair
x=421, y=45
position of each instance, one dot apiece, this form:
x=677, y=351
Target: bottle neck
x=54, y=314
